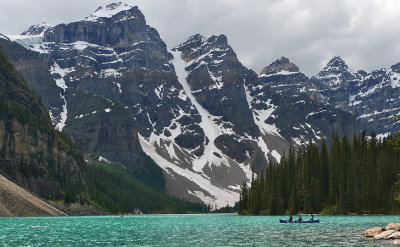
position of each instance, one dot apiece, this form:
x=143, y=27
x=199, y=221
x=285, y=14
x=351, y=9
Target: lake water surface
x=188, y=230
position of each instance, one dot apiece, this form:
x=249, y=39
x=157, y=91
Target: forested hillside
x=46, y=162
x=357, y=176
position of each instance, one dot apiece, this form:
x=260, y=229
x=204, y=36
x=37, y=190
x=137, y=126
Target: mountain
x=372, y=97
x=81, y=85
x=191, y=120
x=45, y=163
x=33, y=154
x=110, y=83
x=300, y=114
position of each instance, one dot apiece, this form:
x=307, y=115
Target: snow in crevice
x=118, y=86
x=159, y=91
x=282, y=72
x=208, y=54
x=260, y=116
x=63, y=115
x=105, y=73
x=211, y=129
x=102, y=159
x=56, y=69
x=221, y=197
x=353, y=101
x=394, y=79
x=276, y=155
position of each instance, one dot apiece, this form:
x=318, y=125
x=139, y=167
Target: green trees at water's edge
x=357, y=176
x=116, y=190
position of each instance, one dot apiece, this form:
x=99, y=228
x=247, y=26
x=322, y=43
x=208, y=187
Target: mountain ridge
x=202, y=116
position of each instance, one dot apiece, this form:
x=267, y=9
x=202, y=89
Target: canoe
x=304, y=221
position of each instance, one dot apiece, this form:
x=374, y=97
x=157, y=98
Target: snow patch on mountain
x=282, y=72
x=260, y=116
x=56, y=69
x=2, y=36
x=221, y=197
x=108, y=11
x=105, y=73
x=211, y=129
x=64, y=114
x=395, y=79
x=383, y=136
x=38, y=29
x=27, y=41
x=276, y=155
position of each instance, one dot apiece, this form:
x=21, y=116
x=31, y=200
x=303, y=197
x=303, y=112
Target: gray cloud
x=365, y=33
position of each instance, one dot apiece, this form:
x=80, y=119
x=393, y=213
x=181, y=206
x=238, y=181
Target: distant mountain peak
x=281, y=64
x=396, y=67
x=37, y=29
x=336, y=64
x=107, y=11
x=197, y=37
x=193, y=41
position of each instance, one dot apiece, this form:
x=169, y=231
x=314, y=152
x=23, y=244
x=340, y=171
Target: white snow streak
x=211, y=129
x=64, y=114
x=221, y=196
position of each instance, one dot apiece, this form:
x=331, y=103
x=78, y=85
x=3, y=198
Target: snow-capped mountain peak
x=336, y=64
x=108, y=11
x=37, y=29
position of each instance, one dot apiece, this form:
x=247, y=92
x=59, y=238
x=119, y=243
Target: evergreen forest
x=350, y=177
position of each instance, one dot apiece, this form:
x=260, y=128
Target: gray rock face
x=371, y=97
x=282, y=76
x=36, y=29
x=33, y=155
x=100, y=95
x=118, y=30
x=216, y=78
x=297, y=107
x=282, y=64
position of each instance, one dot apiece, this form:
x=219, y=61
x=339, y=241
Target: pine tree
x=356, y=177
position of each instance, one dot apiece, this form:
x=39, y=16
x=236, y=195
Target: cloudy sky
x=365, y=33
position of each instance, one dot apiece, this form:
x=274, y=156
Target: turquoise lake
x=188, y=230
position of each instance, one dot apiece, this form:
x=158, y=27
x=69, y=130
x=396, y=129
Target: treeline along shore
x=350, y=177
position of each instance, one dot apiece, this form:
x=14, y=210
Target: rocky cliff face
x=371, y=97
x=99, y=82
x=295, y=98
x=32, y=153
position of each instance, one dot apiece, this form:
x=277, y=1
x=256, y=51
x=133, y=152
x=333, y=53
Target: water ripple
x=188, y=230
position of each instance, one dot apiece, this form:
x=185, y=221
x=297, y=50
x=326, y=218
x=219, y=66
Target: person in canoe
x=299, y=219
x=290, y=219
x=311, y=217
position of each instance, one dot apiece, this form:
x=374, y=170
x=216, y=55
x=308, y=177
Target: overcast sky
x=365, y=33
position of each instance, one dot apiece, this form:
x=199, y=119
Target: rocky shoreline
x=390, y=232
